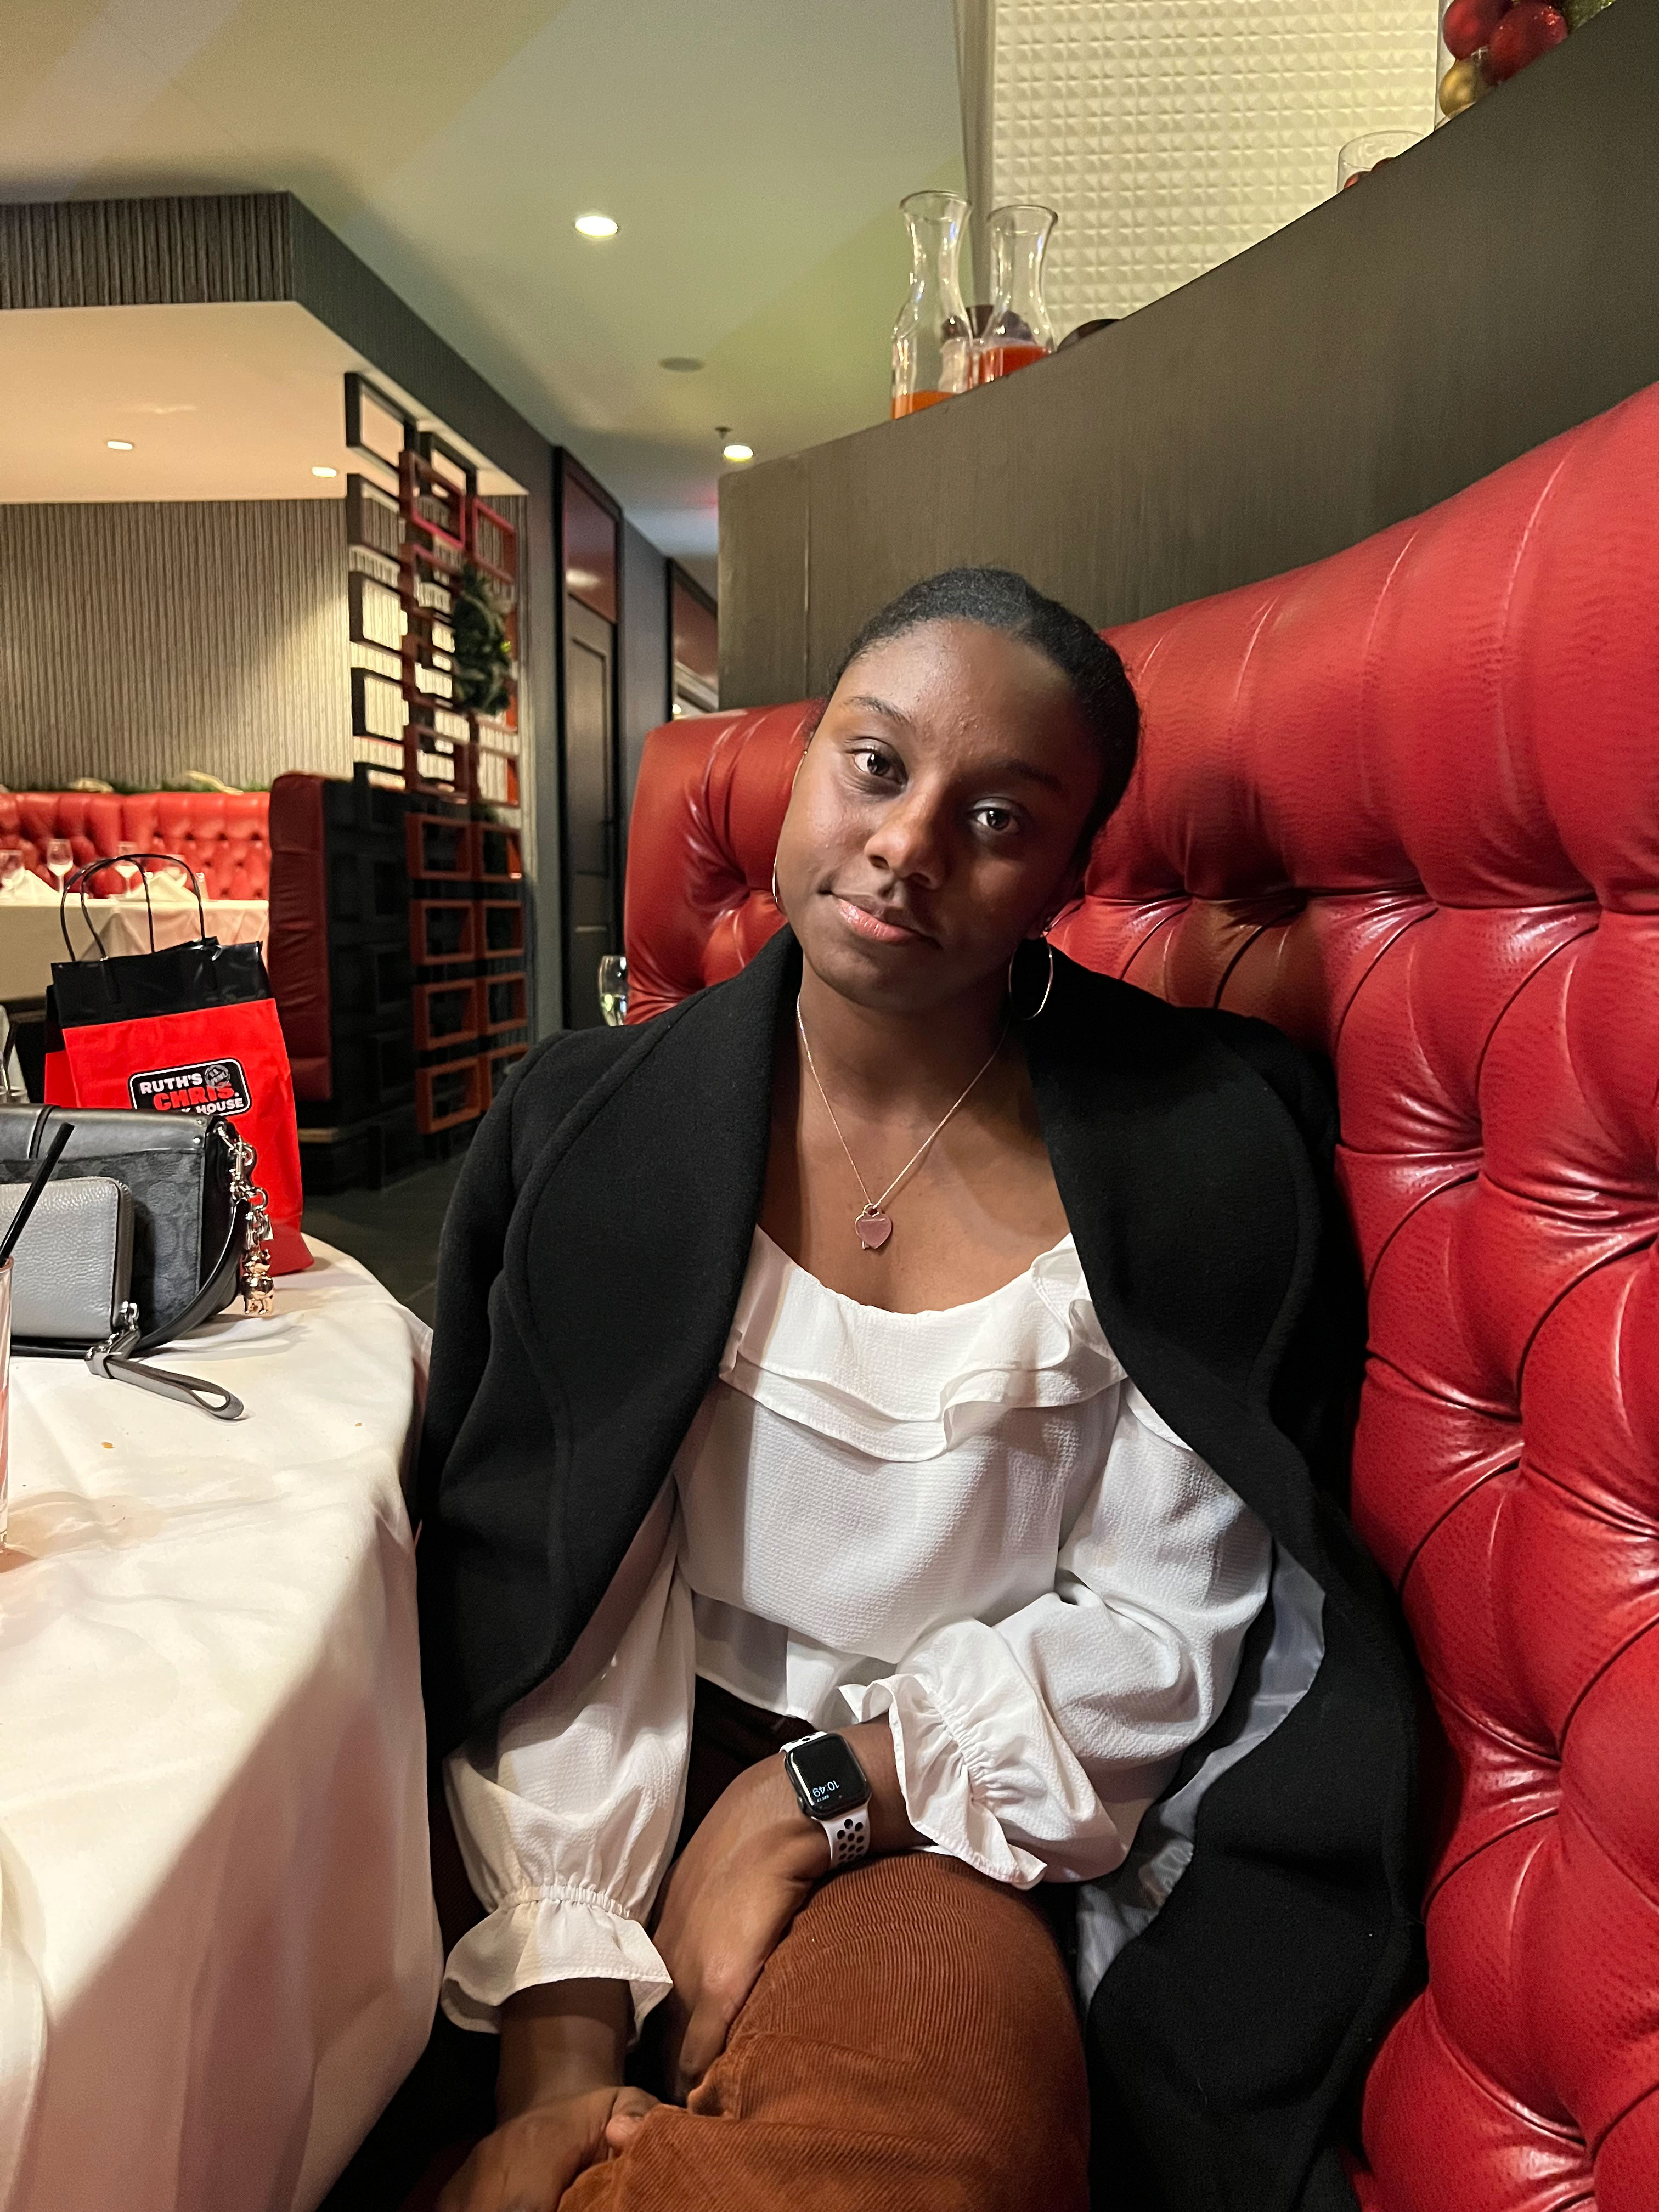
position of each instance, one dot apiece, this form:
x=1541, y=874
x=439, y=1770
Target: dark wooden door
x=589, y=795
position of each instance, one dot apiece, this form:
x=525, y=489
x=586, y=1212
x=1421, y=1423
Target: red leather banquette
x=220, y=834
x=1405, y=803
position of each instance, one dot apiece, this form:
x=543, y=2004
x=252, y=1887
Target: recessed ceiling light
x=596, y=226
x=683, y=364
x=737, y=451
x=120, y=444
x=325, y=472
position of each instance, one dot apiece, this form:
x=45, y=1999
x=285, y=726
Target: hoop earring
x=1046, y=988
x=776, y=900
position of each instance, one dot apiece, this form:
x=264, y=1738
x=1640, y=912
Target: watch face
x=827, y=1777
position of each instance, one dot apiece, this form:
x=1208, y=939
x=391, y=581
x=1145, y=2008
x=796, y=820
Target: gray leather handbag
x=102, y=1278
x=71, y=1274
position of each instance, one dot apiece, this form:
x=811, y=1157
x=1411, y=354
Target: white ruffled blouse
x=968, y=1521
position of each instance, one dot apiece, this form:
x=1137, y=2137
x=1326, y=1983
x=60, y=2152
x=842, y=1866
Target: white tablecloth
x=218, y=1954
x=30, y=939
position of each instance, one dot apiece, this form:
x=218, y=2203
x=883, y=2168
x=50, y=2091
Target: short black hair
x=998, y=599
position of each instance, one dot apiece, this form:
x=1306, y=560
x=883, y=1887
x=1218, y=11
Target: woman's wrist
x=561, y=2039
x=891, y=1830
x=781, y=1832
x=778, y=1831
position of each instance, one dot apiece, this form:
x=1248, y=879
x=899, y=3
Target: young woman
x=879, y=1471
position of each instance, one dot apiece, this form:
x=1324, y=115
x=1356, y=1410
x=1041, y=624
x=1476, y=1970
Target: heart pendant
x=874, y=1229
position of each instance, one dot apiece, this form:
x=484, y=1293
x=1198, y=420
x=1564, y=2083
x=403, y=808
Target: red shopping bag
x=191, y=1028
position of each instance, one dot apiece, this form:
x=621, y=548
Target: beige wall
x=1171, y=134
x=140, y=640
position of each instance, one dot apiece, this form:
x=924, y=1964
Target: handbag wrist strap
x=112, y=1360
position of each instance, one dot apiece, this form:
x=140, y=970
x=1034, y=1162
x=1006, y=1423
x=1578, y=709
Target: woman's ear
x=806, y=747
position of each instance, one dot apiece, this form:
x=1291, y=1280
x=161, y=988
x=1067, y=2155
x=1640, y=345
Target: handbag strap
x=246, y=1248
x=210, y=1296
x=248, y=1241
x=112, y=1360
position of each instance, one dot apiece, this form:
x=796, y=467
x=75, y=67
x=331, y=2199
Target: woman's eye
x=997, y=819
x=876, y=762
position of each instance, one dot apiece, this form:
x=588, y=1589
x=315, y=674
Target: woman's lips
x=864, y=924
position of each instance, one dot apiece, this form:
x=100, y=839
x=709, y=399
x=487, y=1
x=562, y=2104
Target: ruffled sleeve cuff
x=559, y=1934
x=940, y=1794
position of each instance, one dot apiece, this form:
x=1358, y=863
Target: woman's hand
x=729, y=1899
x=732, y=1892
x=559, y=2099
x=533, y=2157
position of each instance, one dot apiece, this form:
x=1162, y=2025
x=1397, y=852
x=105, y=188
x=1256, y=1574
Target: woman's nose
x=909, y=841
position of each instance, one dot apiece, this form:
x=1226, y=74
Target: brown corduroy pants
x=911, y=2046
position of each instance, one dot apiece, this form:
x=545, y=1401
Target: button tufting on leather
x=222, y=835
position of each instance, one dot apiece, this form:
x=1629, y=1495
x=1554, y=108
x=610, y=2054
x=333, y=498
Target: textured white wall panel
x=1171, y=134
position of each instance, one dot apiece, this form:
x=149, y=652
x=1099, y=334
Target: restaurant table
x=30, y=939
x=218, y=1951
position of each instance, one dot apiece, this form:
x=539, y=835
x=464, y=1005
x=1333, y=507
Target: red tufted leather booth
x=221, y=834
x=1405, y=803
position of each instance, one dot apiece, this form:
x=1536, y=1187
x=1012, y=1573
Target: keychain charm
x=259, y=1292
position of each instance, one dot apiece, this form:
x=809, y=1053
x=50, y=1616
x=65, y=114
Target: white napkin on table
x=27, y=889
x=166, y=888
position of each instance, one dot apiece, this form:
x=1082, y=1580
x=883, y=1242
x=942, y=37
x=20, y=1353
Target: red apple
x=1470, y=23
x=1530, y=28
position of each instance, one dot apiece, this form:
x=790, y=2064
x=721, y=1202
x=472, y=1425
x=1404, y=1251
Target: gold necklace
x=874, y=1225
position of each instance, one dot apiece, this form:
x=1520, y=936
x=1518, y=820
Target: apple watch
x=831, y=1787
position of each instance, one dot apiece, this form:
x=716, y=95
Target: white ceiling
x=751, y=150
x=229, y=402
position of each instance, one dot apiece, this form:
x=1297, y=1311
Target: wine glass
x=613, y=988
x=60, y=859
x=126, y=867
x=11, y=866
x=1371, y=150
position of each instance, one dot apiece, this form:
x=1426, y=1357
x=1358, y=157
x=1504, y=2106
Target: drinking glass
x=5, y=1388
x=1019, y=331
x=613, y=988
x=11, y=866
x=1369, y=151
x=126, y=868
x=60, y=859
x=932, y=345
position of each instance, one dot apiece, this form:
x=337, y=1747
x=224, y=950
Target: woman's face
x=936, y=818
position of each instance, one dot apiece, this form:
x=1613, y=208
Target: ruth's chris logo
x=214, y=1086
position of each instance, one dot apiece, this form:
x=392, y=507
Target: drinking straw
x=38, y=1182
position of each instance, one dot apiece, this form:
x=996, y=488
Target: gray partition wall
x=647, y=648
x=1496, y=285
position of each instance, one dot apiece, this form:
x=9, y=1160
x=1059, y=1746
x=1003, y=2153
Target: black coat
x=591, y=1265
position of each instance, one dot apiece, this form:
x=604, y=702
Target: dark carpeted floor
x=394, y=1231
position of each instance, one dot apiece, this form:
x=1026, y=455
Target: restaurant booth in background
x=358, y=574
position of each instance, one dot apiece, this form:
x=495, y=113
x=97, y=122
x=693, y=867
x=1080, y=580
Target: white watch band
x=849, y=1836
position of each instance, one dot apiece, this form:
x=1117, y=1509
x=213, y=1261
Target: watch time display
x=827, y=1777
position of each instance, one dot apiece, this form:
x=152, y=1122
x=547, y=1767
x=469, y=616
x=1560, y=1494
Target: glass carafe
x=1019, y=331
x=932, y=349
